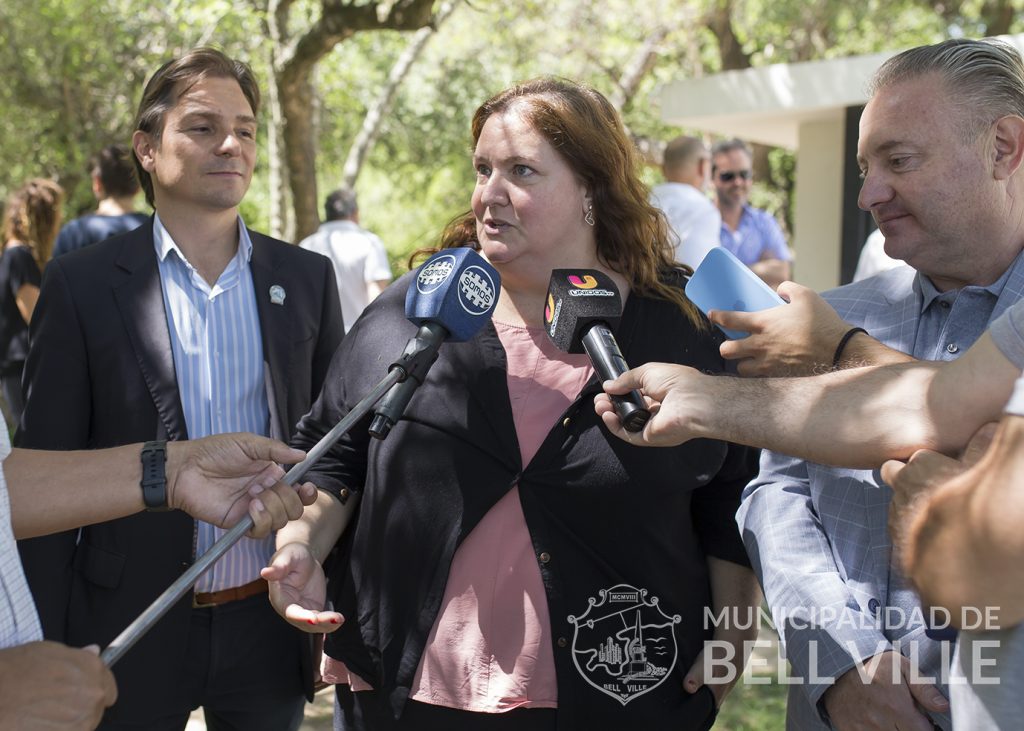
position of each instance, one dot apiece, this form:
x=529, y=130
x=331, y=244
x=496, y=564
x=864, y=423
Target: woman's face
x=528, y=203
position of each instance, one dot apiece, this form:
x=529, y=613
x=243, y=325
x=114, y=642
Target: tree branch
x=375, y=113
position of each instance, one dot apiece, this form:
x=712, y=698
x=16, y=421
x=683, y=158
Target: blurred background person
x=31, y=220
x=499, y=508
x=359, y=258
x=695, y=221
x=750, y=233
x=115, y=186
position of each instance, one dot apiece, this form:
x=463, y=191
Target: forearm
x=863, y=350
x=858, y=417
x=772, y=271
x=854, y=418
x=735, y=597
x=321, y=524
x=55, y=491
x=734, y=588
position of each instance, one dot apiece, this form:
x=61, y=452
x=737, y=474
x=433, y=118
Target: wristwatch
x=154, y=475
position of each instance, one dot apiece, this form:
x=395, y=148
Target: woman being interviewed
x=511, y=564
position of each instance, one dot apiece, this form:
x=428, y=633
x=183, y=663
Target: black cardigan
x=602, y=515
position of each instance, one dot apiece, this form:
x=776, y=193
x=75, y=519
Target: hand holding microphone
x=583, y=307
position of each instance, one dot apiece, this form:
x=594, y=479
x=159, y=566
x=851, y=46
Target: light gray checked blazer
x=817, y=536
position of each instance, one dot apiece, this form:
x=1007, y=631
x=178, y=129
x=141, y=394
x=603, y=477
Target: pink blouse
x=490, y=647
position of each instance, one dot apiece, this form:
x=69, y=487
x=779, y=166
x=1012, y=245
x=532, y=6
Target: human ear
x=1008, y=141
x=144, y=147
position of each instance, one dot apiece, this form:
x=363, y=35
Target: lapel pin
x=277, y=295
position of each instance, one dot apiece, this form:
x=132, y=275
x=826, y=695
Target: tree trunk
x=293, y=75
x=296, y=96
x=730, y=50
x=998, y=17
x=280, y=220
x=275, y=23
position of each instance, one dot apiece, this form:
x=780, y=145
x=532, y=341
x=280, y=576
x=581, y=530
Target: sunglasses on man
x=730, y=175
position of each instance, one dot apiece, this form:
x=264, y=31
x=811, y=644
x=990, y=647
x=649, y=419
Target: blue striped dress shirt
x=218, y=360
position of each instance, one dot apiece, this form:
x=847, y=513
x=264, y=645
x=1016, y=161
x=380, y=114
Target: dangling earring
x=589, y=218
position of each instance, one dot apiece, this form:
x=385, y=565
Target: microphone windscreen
x=576, y=299
x=455, y=288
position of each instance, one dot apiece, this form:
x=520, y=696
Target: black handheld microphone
x=453, y=294
x=582, y=309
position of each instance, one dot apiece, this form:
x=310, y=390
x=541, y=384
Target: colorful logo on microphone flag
x=549, y=309
x=586, y=282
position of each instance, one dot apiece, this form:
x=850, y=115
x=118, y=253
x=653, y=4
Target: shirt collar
x=164, y=244
x=929, y=293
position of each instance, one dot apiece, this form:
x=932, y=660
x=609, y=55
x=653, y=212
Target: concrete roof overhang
x=769, y=103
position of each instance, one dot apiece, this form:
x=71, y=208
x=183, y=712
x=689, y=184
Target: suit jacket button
x=544, y=557
x=562, y=642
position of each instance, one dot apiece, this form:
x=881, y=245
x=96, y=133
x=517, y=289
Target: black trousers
x=243, y=668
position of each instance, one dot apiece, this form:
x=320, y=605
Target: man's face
x=205, y=156
x=732, y=177
x=930, y=192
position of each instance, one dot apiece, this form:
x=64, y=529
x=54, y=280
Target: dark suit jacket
x=100, y=373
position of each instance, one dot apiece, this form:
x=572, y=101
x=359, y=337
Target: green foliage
x=74, y=69
x=754, y=706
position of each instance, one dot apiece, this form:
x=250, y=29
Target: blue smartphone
x=723, y=282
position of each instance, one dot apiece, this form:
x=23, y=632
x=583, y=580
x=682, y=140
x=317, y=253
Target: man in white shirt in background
x=360, y=261
x=693, y=218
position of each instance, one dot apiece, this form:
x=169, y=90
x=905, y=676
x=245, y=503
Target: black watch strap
x=154, y=475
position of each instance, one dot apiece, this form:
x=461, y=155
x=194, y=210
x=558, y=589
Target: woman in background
x=31, y=222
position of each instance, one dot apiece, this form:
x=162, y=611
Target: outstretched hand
x=219, y=479
x=676, y=396
x=298, y=589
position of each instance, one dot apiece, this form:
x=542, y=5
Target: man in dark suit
x=187, y=326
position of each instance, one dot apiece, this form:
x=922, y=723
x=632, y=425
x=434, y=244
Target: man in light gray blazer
x=935, y=164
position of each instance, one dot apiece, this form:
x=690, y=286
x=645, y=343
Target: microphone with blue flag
x=454, y=293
